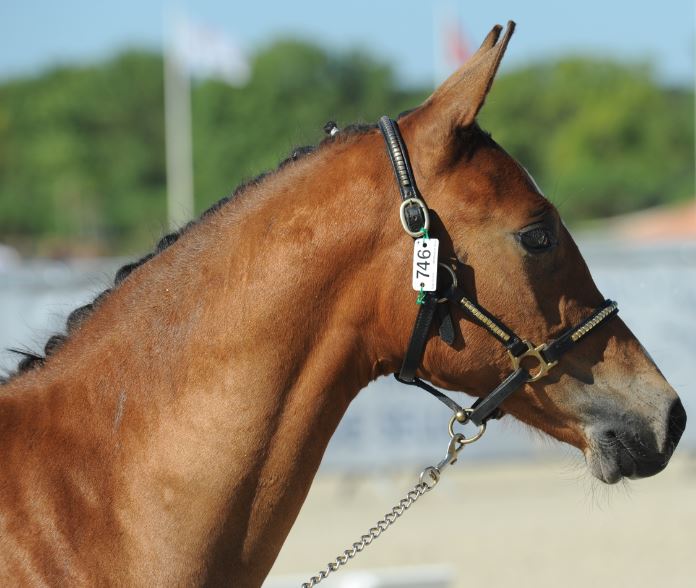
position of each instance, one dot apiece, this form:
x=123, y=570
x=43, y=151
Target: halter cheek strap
x=415, y=218
x=419, y=337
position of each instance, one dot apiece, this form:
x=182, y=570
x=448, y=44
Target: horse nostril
x=676, y=422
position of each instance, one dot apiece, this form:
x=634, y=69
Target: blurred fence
x=390, y=425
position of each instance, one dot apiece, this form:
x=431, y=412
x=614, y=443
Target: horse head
x=512, y=253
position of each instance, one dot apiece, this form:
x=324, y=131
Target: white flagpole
x=440, y=14
x=436, y=42
x=178, y=142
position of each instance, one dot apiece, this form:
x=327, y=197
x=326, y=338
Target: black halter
x=415, y=219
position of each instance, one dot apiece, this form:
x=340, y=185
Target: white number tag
x=425, y=264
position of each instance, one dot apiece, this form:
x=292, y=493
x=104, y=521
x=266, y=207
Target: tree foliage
x=82, y=148
x=602, y=138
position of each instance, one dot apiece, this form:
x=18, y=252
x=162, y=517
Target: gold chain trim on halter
x=582, y=331
x=490, y=325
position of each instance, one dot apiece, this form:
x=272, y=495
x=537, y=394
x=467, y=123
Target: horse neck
x=201, y=394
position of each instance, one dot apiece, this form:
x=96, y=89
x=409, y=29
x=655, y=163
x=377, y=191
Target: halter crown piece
x=415, y=218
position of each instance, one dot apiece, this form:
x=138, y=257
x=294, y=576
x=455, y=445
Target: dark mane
x=31, y=359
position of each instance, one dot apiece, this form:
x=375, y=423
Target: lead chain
x=389, y=519
x=429, y=478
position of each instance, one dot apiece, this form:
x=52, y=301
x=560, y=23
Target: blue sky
x=36, y=34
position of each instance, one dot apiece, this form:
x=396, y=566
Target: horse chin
x=605, y=468
x=612, y=463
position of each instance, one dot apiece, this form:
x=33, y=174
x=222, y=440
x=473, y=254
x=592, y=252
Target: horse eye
x=536, y=238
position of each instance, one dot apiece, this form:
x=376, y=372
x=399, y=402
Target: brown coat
x=171, y=440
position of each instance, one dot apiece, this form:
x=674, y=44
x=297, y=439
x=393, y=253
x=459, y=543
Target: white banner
x=204, y=51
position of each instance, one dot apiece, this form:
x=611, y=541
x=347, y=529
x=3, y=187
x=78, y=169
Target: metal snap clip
x=430, y=476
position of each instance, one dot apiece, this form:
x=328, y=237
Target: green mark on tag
x=421, y=297
x=425, y=233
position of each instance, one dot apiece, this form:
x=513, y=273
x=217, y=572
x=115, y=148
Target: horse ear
x=465, y=91
x=488, y=44
x=459, y=99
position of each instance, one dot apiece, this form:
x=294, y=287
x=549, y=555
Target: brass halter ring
x=463, y=417
x=533, y=351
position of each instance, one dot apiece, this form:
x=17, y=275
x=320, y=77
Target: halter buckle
x=426, y=217
x=534, y=352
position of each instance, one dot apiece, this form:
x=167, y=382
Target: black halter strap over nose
x=415, y=218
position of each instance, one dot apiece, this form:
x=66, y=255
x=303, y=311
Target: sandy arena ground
x=517, y=524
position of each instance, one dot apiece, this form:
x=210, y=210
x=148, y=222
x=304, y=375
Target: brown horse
x=172, y=437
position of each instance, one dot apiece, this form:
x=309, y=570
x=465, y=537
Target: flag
x=204, y=51
x=451, y=47
x=456, y=48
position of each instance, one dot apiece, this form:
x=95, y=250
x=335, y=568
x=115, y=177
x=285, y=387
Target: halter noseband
x=415, y=219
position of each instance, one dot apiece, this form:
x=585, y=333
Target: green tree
x=602, y=138
x=82, y=148
x=82, y=153
x=294, y=89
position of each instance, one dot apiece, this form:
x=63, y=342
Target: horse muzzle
x=631, y=448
